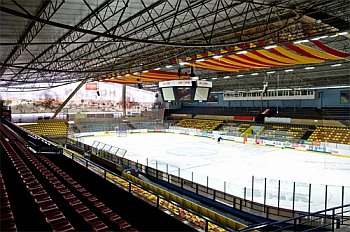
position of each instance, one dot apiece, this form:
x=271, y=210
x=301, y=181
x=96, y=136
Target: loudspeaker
x=265, y=86
x=139, y=83
x=156, y=95
x=192, y=72
x=98, y=93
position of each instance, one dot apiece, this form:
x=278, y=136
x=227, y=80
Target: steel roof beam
x=47, y=9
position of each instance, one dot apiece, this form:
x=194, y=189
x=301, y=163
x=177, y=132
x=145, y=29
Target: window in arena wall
x=344, y=96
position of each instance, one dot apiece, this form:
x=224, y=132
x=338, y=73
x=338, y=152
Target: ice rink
x=229, y=167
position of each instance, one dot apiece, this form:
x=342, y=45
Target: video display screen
x=184, y=94
x=201, y=94
x=168, y=94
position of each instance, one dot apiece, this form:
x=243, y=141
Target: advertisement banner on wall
x=344, y=147
x=295, y=145
x=251, y=141
x=227, y=137
x=269, y=143
x=287, y=144
x=332, y=150
x=319, y=149
x=91, y=86
x=277, y=120
x=239, y=139
x=279, y=144
x=302, y=147
x=198, y=134
x=94, y=97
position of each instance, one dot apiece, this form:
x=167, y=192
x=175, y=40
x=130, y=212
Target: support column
x=124, y=100
x=69, y=97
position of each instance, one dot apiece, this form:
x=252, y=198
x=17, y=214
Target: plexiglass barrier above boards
x=266, y=192
x=263, y=196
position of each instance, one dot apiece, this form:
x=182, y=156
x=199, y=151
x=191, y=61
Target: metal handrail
x=291, y=222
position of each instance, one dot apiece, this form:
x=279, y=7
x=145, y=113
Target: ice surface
x=235, y=163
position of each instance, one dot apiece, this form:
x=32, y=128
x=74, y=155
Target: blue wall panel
x=324, y=98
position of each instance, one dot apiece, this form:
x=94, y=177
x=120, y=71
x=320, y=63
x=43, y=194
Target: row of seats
x=56, y=185
x=152, y=199
x=190, y=217
x=235, y=129
x=331, y=134
x=47, y=128
x=91, y=202
x=175, y=209
x=206, y=125
x=53, y=216
x=288, y=132
x=103, y=124
x=11, y=135
x=7, y=218
x=336, y=113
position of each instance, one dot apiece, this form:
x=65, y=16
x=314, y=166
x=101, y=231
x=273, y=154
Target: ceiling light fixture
x=270, y=46
x=254, y=74
x=226, y=77
x=289, y=70
x=270, y=72
x=217, y=57
x=183, y=63
x=321, y=37
x=169, y=66
x=309, y=67
x=301, y=41
x=336, y=65
x=240, y=75
x=200, y=60
x=241, y=52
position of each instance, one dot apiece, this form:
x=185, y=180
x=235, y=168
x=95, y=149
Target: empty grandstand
x=170, y=115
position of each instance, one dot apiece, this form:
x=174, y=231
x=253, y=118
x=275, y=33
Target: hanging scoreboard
x=185, y=90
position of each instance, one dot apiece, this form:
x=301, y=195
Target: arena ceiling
x=45, y=44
